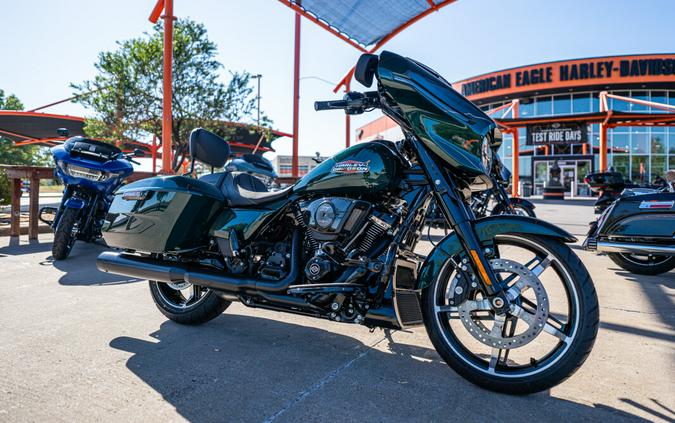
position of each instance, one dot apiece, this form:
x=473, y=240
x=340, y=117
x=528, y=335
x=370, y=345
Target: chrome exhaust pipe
x=618, y=247
x=165, y=271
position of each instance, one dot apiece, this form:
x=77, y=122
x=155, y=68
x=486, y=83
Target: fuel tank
x=366, y=168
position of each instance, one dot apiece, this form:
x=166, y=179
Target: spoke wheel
x=543, y=338
x=187, y=303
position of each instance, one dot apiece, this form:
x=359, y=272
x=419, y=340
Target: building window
x=581, y=103
x=526, y=107
x=619, y=105
x=639, y=169
x=620, y=164
x=639, y=143
x=658, y=144
x=562, y=105
x=639, y=95
x=658, y=167
x=620, y=143
x=659, y=97
x=543, y=106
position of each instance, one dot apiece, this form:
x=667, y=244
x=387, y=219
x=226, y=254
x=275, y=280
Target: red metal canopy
x=25, y=128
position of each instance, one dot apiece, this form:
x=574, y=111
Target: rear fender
x=486, y=229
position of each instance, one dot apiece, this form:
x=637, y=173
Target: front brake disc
x=473, y=318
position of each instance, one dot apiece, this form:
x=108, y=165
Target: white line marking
x=318, y=385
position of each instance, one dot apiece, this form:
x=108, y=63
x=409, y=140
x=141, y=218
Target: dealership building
x=580, y=115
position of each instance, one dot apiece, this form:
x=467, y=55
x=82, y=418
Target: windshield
x=445, y=121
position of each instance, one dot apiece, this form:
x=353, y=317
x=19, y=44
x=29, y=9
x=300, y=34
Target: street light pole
x=258, y=77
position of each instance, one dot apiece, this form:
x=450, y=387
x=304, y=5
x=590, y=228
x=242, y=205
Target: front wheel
x=65, y=234
x=644, y=264
x=545, y=336
x=185, y=303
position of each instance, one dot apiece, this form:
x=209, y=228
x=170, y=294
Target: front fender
x=525, y=203
x=74, y=203
x=486, y=229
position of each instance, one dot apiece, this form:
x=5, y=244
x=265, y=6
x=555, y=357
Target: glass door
x=568, y=178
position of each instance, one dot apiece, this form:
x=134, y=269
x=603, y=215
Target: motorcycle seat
x=244, y=190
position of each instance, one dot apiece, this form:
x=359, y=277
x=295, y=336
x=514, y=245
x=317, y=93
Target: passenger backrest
x=208, y=148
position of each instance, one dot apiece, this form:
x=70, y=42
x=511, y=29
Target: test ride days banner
x=557, y=133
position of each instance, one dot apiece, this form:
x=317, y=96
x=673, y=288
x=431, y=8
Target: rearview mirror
x=365, y=69
x=63, y=132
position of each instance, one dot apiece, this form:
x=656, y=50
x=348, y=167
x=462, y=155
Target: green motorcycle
x=505, y=301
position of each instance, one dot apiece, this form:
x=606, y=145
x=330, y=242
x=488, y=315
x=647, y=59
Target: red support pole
x=154, y=154
x=516, y=154
x=603, y=147
x=167, y=89
x=348, y=122
x=296, y=95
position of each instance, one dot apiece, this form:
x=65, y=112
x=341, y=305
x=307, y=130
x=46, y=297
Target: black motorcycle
x=339, y=244
x=637, y=231
x=608, y=186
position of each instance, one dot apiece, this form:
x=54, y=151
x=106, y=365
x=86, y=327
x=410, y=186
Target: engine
x=343, y=237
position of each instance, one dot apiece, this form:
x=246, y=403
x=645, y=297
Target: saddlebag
x=162, y=214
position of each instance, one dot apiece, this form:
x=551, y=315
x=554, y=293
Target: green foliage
x=127, y=92
x=25, y=155
x=10, y=102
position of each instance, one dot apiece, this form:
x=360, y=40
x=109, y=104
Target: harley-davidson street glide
x=506, y=303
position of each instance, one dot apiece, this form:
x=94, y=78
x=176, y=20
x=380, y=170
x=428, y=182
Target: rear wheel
x=185, y=303
x=65, y=234
x=544, y=337
x=644, y=264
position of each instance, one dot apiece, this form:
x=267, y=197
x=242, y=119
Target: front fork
x=460, y=218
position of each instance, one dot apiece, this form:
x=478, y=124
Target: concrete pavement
x=80, y=345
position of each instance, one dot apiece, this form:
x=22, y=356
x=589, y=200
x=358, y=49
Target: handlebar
x=330, y=105
x=353, y=103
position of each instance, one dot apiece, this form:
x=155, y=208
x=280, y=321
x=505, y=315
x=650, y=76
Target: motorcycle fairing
x=486, y=230
x=446, y=122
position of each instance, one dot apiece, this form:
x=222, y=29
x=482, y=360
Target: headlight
x=85, y=173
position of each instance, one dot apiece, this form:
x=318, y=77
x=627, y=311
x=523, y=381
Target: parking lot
x=80, y=345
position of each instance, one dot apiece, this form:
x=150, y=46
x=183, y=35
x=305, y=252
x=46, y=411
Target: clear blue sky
x=46, y=44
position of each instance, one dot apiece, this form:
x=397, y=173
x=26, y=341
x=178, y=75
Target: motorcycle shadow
x=79, y=269
x=246, y=368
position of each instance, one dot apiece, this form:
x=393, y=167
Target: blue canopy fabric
x=366, y=21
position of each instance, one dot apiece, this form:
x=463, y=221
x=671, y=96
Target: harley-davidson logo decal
x=657, y=204
x=351, y=166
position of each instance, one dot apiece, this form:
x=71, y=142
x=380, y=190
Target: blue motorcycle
x=90, y=171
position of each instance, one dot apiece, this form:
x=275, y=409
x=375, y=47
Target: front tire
x=64, y=237
x=489, y=363
x=187, y=304
x=644, y=265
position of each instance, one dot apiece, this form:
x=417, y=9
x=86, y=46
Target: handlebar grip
x=330, y=105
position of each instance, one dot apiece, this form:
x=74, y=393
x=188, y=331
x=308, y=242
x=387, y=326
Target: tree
x=126, y=95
